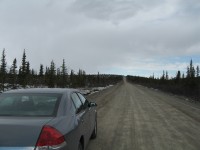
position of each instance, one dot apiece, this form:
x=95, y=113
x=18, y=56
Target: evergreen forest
x=182, y=84
x=23, y=76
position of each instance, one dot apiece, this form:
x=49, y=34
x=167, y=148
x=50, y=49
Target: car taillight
x=49, y=138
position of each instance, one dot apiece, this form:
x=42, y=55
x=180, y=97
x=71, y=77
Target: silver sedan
x=46, y=119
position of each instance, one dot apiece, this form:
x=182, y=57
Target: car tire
x=80, y=146
x=94, y=133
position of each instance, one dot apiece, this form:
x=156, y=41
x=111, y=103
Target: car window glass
x=83, y=100
x=77, y=102
x=73, y=108
x=29, y=104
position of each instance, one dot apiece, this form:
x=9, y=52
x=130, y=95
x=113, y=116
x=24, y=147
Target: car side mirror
x=92, y=104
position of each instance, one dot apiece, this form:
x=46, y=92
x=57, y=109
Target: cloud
x=112, y=10
x=99, y=35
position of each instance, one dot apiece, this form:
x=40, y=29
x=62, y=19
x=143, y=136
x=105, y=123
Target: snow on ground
x=87, y=91
x=84, y=91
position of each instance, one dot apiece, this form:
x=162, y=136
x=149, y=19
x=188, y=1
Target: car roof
x=43, y=90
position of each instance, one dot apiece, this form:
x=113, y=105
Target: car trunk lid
x=21, y=131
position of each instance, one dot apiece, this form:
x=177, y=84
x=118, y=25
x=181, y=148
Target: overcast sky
x=136, y=37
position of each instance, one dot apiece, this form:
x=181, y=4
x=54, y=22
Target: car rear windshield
x=29, y=104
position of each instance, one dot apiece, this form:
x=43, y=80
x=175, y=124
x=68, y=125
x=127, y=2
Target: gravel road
x=133, y=117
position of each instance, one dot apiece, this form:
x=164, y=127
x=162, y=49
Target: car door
x=82, y=117
x=87, y=115
x=91, y=111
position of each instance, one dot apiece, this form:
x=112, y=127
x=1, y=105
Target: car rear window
x=29, y=104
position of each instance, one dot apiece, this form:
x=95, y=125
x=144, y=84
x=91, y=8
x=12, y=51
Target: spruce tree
x=188, y=73
x=72, y=78
x=52, y=75
x=63, y=74
x=23, y=71
x=3, y=71
x=58, y=78
x=32, y=78
x=81, y=79
x=178, y=75
x=46, y=76
x=13, y=73
x=41, y=75
x=163, y=76
x=166, y=76
x=29, y=76
x=28, y=70
x=23, y=66
x=192, y=70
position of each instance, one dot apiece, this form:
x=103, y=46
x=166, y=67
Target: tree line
x=182, y=84
x=48, y=76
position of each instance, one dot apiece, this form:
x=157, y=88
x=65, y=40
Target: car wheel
x=80, y=147
x=94, y=133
